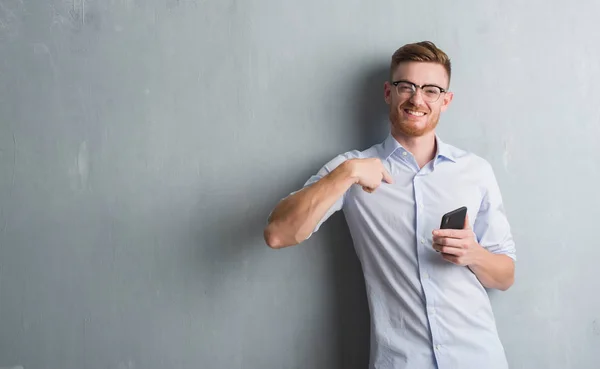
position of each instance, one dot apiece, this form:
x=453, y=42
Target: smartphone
x=454, y=219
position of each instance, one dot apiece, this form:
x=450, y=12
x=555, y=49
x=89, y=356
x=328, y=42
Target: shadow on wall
x=353, y=323
x=226, y=237
x=372, y=113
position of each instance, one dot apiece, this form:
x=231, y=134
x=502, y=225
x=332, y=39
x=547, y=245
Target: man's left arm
x=494, y=270
x=488, y=248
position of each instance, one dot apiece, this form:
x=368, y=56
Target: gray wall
x=143, y=144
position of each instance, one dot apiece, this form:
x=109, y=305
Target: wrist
x=347, y=172
x=481, y=255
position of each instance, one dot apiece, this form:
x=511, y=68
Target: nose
x=417, y=99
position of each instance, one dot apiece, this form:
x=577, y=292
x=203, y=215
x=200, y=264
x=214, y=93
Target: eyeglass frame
x=415, y=87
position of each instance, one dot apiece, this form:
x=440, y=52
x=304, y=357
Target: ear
x=448, y=96
x=387, y=92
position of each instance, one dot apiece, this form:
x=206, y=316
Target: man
x=425, y=286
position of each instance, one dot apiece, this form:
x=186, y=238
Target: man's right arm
x=295, y=217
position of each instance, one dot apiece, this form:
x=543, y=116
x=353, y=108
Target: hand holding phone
x=455, y=240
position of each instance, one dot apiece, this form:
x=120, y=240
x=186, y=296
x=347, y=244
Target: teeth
x=417, y=113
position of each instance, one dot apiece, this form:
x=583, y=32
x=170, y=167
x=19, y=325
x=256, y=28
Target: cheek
x=435, y=109
x=398, y=103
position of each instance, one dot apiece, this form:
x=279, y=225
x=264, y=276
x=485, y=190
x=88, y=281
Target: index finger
x=387, y=177
x=450, y=233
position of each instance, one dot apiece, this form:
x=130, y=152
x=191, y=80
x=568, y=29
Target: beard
x=412, y=126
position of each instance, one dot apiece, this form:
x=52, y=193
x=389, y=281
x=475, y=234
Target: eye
x=432, y=91
x=404, y=87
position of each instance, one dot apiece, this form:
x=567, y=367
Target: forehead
x=422, y=73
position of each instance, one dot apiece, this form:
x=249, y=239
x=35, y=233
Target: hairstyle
x=424, y=51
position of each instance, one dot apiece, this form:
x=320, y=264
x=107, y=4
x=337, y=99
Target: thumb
x=387, y=177
x=467, y=223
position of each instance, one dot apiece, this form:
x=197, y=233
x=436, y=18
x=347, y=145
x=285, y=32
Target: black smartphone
x=454, y=219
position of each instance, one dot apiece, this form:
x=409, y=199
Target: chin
x=410, y=129
x=411, y=126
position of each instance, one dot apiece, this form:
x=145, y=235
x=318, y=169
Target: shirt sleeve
x=322, y=172
x=491, y=226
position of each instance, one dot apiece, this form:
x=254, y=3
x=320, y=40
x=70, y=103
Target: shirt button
x=422, y=240
x=404, y=153
x=426, y=275
x=432, y=310
x=437, y=347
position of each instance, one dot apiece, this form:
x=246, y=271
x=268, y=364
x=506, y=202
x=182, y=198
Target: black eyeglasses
x=431, y=93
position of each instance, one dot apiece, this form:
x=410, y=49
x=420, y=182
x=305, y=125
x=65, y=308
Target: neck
x=423, y=148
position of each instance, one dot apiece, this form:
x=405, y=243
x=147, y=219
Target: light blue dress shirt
x=425, y=312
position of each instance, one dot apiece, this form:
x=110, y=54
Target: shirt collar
x=390, y=146
x=444, y=150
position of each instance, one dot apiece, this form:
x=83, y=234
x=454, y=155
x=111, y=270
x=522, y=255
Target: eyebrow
x=424, y=85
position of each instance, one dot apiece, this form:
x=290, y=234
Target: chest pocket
x=451, y=193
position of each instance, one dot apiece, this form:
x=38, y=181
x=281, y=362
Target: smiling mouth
x=414, y=113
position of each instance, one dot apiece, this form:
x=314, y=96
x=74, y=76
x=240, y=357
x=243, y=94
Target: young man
x=425, y=286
